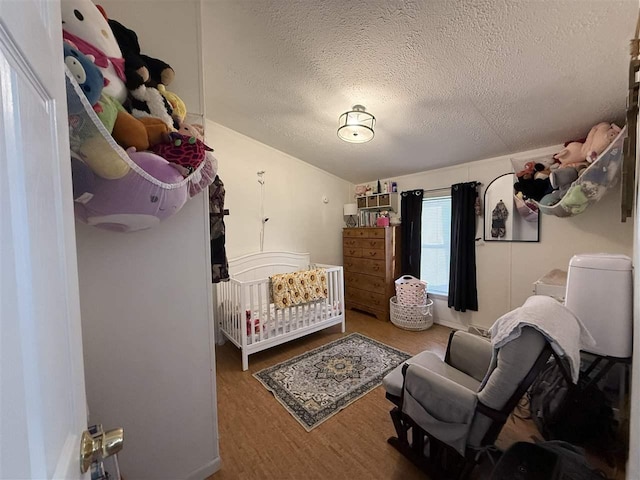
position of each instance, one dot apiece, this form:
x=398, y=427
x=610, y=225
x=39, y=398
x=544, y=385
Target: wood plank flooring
x=259, y=439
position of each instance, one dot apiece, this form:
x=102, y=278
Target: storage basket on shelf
x=411, y=290
x=411, y=317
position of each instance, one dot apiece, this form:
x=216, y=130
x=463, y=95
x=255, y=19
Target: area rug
x=319, y=383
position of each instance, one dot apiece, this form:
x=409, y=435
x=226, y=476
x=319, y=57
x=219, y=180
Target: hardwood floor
x=259, y=439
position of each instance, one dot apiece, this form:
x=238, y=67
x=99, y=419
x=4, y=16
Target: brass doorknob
x=95, y=448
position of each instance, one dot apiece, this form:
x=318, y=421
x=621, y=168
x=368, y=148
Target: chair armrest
x=439, y=396
x=469, y=353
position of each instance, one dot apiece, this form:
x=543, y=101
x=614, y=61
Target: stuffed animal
x=191, y=130
x=527, y=172
x=83, y=179
x=87, y=29
x=105, y=162
x=534, y=170
x=533, y=188
x=533, y=181
x=571, y=156
x=186, y=153
x=139, y=69
x=599, y=138
x=157, y=130
x=149, y=102
x=133, y=202
x=86, y=73
x=178, y=106
x=561, y=180
x=127, y=130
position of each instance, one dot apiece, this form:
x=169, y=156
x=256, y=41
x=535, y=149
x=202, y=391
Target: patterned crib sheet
x=296, y=288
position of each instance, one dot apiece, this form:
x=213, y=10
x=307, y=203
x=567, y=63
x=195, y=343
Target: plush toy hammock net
x=123, y=190
x=589, y=187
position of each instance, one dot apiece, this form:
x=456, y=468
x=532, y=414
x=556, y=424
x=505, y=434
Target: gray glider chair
x=448, y=413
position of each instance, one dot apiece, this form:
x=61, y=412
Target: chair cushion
x=514, y=361
x=393, y=381
x=470, y=354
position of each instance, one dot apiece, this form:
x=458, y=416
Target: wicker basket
x=411, y=317
x=411, y=290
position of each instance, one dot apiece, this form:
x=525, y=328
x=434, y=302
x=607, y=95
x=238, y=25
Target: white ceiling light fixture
x=356, y=125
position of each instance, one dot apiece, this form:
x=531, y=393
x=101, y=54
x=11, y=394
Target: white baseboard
x=205, y=471
x=450, y=324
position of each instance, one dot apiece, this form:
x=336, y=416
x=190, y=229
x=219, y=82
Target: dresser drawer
x=354, y=233
x=365, y=282
x=375, y=232
x=371, y=299
x=352, y=251
x=365, y=232
x=364, y=265
x=378, y=244
x=372, y=254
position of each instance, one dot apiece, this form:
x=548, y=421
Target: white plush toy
x=86, y=27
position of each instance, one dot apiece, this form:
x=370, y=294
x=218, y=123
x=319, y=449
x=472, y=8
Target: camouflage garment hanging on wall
x=219, y=265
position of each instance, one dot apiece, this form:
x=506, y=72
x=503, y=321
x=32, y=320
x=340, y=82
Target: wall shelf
x=381, y=201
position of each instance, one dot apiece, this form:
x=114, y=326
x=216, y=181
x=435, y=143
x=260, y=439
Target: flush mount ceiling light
x=356, y=125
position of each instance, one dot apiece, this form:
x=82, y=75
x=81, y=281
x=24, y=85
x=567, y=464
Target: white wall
x=146, y=298
x=299, y=220
x=506, y=271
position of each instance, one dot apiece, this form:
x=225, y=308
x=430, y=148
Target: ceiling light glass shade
x=356, y=126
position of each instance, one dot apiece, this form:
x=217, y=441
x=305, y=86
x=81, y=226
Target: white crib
x=246, y=316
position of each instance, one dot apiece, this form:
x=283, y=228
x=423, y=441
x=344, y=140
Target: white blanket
x=566, y=334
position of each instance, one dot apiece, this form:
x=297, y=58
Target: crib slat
x=334, y=293
x=239, y=317
x=225, y=307
x=267, y=311
x=252, y=309
x=228, y=293
x=305, y=314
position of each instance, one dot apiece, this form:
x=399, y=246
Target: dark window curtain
x=411, y=214
x=463, y=291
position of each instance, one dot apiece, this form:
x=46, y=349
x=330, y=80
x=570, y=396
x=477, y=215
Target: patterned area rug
x=319, y=383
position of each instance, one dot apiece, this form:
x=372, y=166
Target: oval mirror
x=507, y=218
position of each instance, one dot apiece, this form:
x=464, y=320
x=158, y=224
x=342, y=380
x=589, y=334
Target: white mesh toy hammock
x=117, y=190
x=601, y=175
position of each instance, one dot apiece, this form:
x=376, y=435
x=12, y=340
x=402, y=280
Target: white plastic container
x=600, y=293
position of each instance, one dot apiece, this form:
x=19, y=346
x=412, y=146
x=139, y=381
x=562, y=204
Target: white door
x=42, y=397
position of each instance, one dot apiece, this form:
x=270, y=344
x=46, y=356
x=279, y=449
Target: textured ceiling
x=448, y=81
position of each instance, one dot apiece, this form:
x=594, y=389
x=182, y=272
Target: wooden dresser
x=371, y=265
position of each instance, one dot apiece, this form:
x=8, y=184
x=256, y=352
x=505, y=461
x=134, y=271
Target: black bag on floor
x=579, y=414
x=544, y=461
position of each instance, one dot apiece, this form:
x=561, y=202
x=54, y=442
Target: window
x=436, y=242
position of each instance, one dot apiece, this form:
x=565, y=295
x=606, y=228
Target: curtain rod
x=442, y=189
